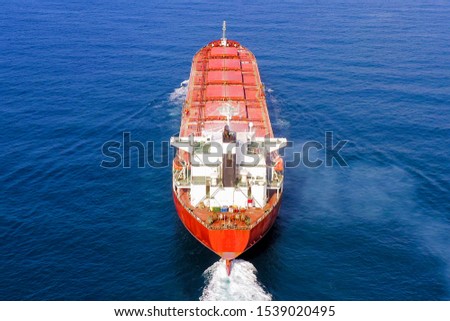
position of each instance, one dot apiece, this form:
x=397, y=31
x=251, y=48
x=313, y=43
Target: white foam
x=241, y=285
x=276, y=110
x=281, y=123
x=179, y=94
x=176, y=100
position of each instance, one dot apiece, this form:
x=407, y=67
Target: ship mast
x=224, y=38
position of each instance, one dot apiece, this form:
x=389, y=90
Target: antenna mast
x=224, y=38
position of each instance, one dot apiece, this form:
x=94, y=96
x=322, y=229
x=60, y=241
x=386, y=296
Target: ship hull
x=227, y=243
x=230, y=203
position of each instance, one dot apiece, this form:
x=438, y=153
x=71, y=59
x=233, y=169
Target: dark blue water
x=75, y=74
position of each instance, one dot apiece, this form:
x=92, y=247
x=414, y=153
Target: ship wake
x=241, y=285
x=280, y=121
x=178, y=95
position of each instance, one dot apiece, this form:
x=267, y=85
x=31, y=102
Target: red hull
x=227, y=243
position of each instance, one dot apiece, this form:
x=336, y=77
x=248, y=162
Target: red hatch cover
x=229, y=76
x=224, y=92
x=224, y=63
x=224, y=51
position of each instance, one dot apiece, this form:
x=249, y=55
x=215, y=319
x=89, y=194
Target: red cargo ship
x=227, y=174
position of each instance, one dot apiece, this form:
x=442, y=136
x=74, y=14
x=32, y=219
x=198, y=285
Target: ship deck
x=225, y=74
x=229, y=220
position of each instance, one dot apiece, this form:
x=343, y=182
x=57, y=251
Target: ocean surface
x=76, y=74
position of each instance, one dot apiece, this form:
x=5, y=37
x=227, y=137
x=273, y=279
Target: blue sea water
x=75, y=74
